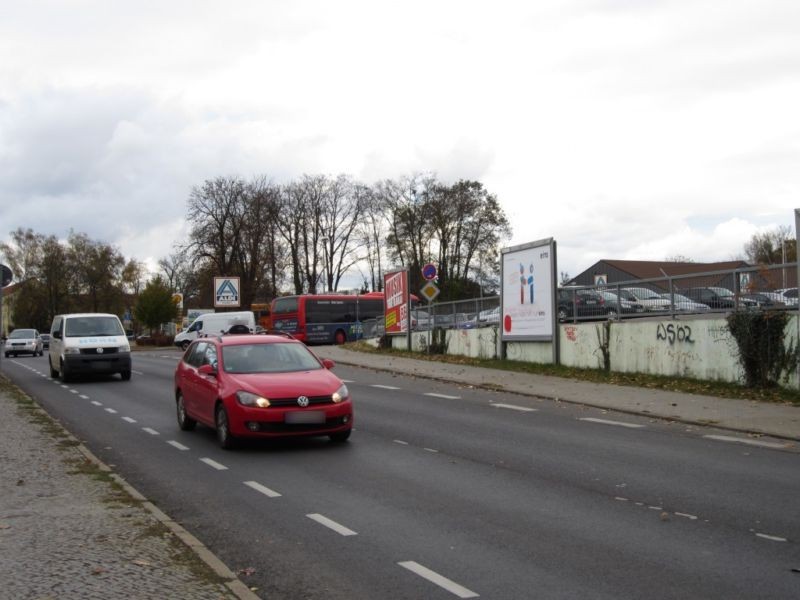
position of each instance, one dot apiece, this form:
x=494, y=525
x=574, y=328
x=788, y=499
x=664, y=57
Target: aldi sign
x=226, y=292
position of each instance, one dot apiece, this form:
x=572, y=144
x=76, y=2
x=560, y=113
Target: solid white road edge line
x=442, y=582
x=340, y=529
x=177, y=445
x=735, y=440
x=263, y=489
x=607, y=422
x=215, y=464
x=514, y=407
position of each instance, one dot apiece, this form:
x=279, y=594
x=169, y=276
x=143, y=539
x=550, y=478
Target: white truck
x=214, y=324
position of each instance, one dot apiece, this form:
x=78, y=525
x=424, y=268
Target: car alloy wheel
x=224, y=436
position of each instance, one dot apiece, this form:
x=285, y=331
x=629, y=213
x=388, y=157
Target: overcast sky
x=624, y=129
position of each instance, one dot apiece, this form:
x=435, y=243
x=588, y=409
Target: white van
x=83, y=343
x=214, y=324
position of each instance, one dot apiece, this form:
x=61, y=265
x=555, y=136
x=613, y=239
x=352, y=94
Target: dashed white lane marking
x=431, y=450
x=177, y=445
x=129, y=420
x=215, y=464
x=137, y=372
x=401, y=442
x=150, y=431
x=96, y=403
x=773, y=538
x=85, y=397
x=263, y=489
x=443, y=582
x=445, y=396
x=347, y=381
x=607, y=422
x=384, y=387
x=172, y=356
x=340, y=529
x=686, y=516
x=111, y=410
x=74, y=391
x=514, y=407
x=736, y=440
x=66, y=387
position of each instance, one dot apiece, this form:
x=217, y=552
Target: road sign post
x=6, y=276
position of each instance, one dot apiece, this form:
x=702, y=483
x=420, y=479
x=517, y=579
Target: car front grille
x=312, y=400
x=105, y=350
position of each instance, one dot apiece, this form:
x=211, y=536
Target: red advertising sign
x=395, y=289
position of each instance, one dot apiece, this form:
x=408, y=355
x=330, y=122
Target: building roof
x=647, y=269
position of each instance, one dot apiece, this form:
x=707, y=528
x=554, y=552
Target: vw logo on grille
x=99, y=350
x=303, y=401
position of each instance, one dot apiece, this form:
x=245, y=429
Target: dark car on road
x=45, y=337
x=260, y=386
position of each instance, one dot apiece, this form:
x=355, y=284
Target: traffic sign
x=430, y=291
x=429, y=271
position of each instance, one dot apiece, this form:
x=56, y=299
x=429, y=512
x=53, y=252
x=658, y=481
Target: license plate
x=312, y=417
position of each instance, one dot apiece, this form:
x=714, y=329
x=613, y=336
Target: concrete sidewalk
x=71, y=529
x=778, y=420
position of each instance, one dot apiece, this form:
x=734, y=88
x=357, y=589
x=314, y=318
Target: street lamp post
x=325, y=263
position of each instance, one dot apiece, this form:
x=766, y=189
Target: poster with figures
x=528, y=288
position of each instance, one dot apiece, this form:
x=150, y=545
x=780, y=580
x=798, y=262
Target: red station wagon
x=260, y=386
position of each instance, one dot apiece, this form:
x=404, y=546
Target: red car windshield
x=268, y=358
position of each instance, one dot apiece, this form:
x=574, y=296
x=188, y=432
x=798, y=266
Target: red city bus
x=326, y=318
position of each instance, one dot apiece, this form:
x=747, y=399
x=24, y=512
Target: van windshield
x=92, y=326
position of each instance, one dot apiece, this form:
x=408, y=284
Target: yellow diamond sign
x=430, y=291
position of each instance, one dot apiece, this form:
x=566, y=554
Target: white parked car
x=685, y=303
x=788, y=296
x=23, y=341
x=651, y=300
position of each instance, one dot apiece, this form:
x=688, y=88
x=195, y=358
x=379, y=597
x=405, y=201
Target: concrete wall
x=700, y=348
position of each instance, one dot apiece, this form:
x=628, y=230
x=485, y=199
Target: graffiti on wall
x=673, y=333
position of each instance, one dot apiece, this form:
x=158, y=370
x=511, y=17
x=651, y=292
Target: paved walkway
x=778, y=420
x=69, y=529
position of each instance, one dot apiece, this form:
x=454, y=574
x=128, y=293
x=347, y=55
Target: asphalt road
x=445, y=491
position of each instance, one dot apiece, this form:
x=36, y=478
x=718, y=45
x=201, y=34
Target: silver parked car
x=23, y=341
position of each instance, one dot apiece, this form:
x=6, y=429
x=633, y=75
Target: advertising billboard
x=395, y=288
x=528, y=291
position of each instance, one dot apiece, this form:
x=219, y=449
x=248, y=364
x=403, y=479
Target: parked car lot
x=651, y=300
x=616, y=303
x=581, y=304
x=717, y=297
x=788, y=295
x=260, y=386
x=684, y=303
x=23, y=341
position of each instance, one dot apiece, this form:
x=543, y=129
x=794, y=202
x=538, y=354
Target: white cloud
x=623, y=129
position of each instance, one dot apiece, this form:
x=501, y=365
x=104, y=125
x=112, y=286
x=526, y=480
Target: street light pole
x=325, y=263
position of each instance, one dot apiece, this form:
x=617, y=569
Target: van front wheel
x=184, y=345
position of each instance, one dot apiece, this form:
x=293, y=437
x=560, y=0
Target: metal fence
x=764, y=287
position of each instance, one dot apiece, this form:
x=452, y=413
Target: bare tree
x=772, y=247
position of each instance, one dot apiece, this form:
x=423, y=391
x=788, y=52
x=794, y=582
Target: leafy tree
x=155, y=305
x=769, y=247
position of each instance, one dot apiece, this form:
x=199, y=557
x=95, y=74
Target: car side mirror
x=57, y=335
x=207, y=370
x=328, y=363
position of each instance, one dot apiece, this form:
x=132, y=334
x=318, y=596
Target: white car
x=686, y=304
x=646, y=297
x=23, y=341
x=788, y=296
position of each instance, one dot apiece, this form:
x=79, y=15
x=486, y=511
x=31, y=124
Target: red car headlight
x=249, y=399
x=341, y=394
